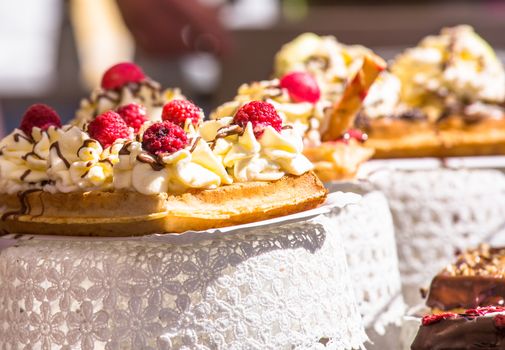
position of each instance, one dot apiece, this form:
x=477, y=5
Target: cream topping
x=79, y=163
x=456, y=62
x=147, y=93
x=383, y=97
x=247, y=158
x=333, y=63
x=23, y=159
x=174, y=173
x=307, y=119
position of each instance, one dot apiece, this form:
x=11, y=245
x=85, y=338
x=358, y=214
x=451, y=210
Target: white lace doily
x=438, y=211
x=276, y=287
x=368, y=233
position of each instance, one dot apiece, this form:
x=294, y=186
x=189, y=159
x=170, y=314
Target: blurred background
x=54, y=51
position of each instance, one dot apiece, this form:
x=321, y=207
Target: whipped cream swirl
x=248, y=158
x=308, y=119
x=147, y=93
x=23, y=159
x=457, y=63
x=79, y=163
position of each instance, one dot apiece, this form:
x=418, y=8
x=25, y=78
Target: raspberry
x=355, y=134
x=431, y=319
x=301, y=86
x=41, y=116
x=260, y=114
x=480, y=311
x=499, y=321
x=164, y=137
x=121, y=74
x=177, y=111
x=133, y=114
x=107, y=128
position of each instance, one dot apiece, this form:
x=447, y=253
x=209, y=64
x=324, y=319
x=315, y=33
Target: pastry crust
x=99, y=213
x=453, y=137
x=337, y=160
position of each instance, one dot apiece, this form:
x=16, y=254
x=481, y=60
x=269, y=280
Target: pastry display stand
x=277, y=284
x=368, y=233
x=440, y=207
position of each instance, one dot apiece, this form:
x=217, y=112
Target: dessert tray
x=277, y=284
x=440, y=207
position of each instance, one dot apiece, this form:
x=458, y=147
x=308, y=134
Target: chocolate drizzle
x=25, y=174
x=195, y=143
x=226, y=131
x=155, y=163
x=31, y=154
x=124, y=151
x=18, y=136
x=56, y=146
x=24, y=205
x=85, y=144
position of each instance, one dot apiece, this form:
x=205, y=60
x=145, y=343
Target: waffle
x=100, y=213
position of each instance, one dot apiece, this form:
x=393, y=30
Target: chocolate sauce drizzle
x=85, y=144
x=195, y=143
x=155, y=163
x=18, y=136
x=32, y=154
x=24, y=204
x=226, y=131
x=56, y=146
x=124, y=151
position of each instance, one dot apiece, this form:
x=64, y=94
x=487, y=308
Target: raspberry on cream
x=123, y=87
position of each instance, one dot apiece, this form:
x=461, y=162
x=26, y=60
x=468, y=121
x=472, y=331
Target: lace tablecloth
x=284, y=286
x=438, y=211
x=368, y=233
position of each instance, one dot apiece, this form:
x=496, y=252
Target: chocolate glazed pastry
x=477, y=278
x=462, y=333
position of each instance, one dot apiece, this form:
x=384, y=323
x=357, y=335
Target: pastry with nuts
x=476, y=278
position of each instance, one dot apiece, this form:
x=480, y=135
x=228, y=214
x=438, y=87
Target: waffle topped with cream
x=180, y=159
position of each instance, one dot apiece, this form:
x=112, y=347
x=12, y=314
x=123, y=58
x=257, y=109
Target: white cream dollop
x=457, y=62
x=383, y=97
x=147, y=93
x=267, y=158
x=173, y=173
x=79, y=163
x=306, y=118
x=23, y=159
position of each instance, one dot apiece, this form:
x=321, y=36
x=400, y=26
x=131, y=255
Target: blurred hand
x=174, y=27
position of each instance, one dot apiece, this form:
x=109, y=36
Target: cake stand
x=369, y=238
x=440, y=207
x=279, y=284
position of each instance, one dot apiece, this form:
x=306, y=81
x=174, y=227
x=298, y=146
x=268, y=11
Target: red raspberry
x=480, y=311
x=355, y=134
x=499, y=321
x=260, y=114
x=133, y=114
x=431, y=319
x=107, y=128
x=121, y=74
x=41, y=116
x=177, y=111
x=301, y=86
x=164, y=137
